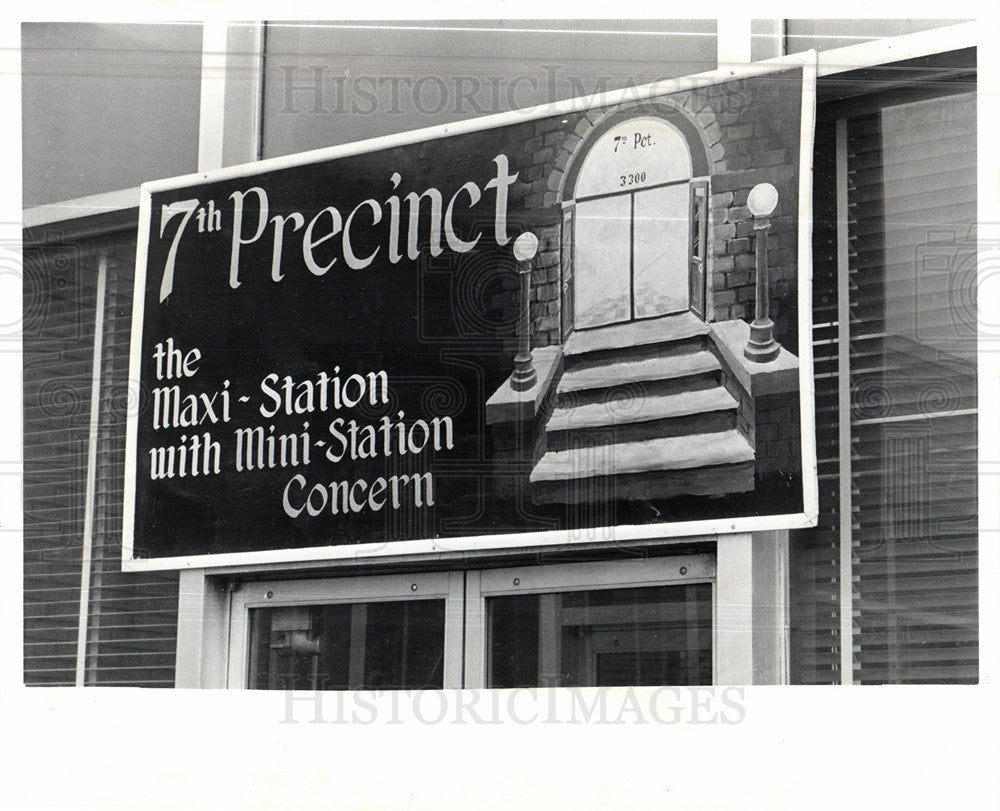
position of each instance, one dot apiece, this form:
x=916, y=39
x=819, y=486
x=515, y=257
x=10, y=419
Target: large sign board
x=582, y=322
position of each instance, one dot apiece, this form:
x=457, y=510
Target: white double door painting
x=631, y=255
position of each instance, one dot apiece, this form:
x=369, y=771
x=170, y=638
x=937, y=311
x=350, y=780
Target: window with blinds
x=907, y=513
x=60, y=283
x=130, y=618
x=911, y=187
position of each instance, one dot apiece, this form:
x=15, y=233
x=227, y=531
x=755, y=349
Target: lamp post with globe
x=762, y=347
x=524, y=376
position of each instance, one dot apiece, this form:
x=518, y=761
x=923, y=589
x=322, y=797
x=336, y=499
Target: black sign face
x=333, y=350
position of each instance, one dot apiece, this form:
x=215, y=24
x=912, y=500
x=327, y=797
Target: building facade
x=883, y=590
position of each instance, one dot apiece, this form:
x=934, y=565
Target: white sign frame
x=807, y=61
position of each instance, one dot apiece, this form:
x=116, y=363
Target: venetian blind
x=132, y=622
x=131, y=619
x=60, y=282
x=913, y=328
x=910, y=163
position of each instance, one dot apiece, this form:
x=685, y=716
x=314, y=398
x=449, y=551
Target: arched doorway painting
x=639, y=220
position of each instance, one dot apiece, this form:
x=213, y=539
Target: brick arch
x=699, y=127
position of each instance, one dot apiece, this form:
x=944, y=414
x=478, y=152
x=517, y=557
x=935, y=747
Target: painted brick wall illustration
x=750, y=134
x=746, y=414
x=545, y=157
x=759, y=144
x=777, y=436
x=771, y=425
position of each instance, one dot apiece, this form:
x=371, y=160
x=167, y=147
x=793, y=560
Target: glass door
x=646, y=622
x=352, y=633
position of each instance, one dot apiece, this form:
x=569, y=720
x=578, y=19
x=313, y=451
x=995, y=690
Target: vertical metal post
x=846, y=526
